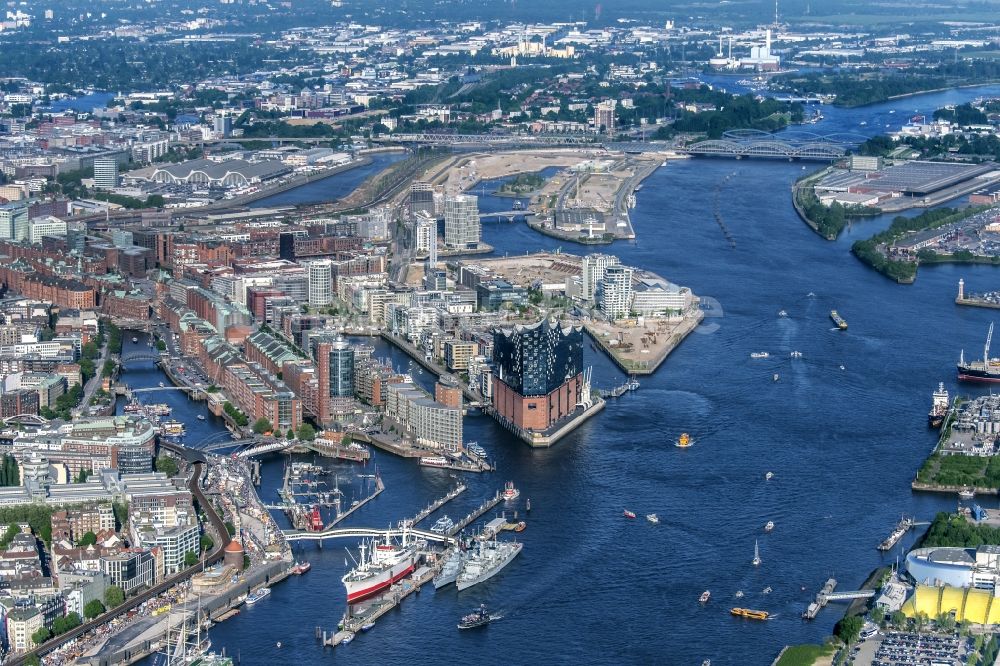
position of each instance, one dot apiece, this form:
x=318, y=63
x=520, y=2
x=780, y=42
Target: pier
x=352, y=625
x=619, y=391
x=434, y=506
x=476, y=514
x=821, y=598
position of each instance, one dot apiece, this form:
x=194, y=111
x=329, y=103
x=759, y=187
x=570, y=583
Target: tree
x=63, y=624
x=290, y=434
x=41, y=636
x=946, y=622
x=898, y=619
x=230, y=528
x=878, y=614
x=161, y=345
x=307, y=432
x=207, y=542
x=848, y=629
x=261, y=426
x=167, y=465
x=32, y=660
x=190, y=558
x=114, y=596
x=93, y=608
x=88, y=539
x=82, y=476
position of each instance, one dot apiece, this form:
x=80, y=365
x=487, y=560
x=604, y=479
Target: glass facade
x=536, y=360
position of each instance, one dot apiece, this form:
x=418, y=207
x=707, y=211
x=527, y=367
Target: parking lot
x=900, y=648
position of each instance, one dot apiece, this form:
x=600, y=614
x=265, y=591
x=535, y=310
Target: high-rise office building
x=421, y=198
x=320, y=276
x=616, y=291
x=14, y=221
x=335, y=375
x=223, y=126
x=539, y=374
x=594, y=266
x=604, y=117
x=105, y=173
x=462, y=228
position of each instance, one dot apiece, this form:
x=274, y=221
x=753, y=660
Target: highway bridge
x=791, y=145
x=362, y=532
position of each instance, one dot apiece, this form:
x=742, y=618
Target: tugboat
x=939, y=407
x=684, y=441
x=477, y=618
x=510, y=493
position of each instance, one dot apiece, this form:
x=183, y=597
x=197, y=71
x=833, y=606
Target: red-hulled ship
x=381, y=565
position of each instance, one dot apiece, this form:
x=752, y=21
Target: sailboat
x=756, y=554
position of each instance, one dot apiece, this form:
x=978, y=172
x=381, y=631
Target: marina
x=476, y=513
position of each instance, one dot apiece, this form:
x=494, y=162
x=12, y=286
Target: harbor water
x=843, y=430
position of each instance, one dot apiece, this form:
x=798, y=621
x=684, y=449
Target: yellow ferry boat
x=750, y=614
x=684, y=441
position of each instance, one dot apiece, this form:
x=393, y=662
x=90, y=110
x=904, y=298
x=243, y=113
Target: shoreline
x=685, y=328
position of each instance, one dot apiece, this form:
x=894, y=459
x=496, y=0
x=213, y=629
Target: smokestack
x=767, y=42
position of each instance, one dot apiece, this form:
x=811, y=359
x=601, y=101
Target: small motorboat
x=368, y=626
x=966, y=493
x=782, y=313
x=135, y=340
x=777, y=376
x=766, y=590
x=796, y=354
x=739, y=594
x=842, y=368
x=521, y=526
x=769, y=476
x=628, y=514
x=510, y=493
x=201, y=417
x=769, y=526
x=761, y=354
x=653, y=518
x=705, y=596
x=348, y=638
x=684, y=441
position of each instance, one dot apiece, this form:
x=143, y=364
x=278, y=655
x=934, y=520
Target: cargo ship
x=838, y=320
x=987, y=370
x=939, y=407
x=381, y=565
x=750, y=614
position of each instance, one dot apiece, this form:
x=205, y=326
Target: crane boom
x=986, y=350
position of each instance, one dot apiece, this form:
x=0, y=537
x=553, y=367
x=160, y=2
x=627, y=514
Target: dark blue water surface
x=332, y=188
x=843, y=443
